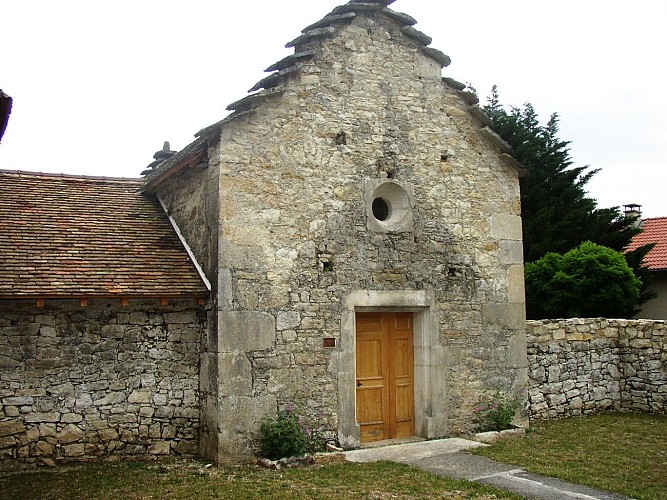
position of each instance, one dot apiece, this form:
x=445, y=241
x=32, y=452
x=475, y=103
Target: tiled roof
x=654, y=231
x=75, y=236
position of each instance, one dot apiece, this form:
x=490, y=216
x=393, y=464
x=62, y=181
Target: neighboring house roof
x=77, y=236
x=654, y=231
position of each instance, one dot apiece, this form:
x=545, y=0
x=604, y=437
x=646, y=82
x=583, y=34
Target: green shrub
x=496, y=413
x=287, y=435
x=587, y=282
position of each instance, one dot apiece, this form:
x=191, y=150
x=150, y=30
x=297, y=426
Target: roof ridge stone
x=402, y=18
x=330, y=19
x=274, y=79
x=291, y=60
x=81, y=177
x=247, y=102
x=357, y=7
x=417, y=35
x=382, y=2
x=309, y=35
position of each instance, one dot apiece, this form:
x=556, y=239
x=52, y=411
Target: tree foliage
x=588, y=281
x=558, y=215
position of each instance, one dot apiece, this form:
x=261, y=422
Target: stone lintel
x=246, y=103
x=290, y=60
x=274, y=79
x=356, y=7
x=498, y=141
x=319, y=32
x=402, y=18
x=438, y=55
x=329, y=20
x=480, y=115
x=469, y=97
x=454, y=83
x=417, y=35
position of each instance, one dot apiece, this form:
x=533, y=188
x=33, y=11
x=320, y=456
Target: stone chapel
x=347, y=240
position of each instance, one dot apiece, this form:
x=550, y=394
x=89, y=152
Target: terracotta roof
x=654, y=231
x=76, y=236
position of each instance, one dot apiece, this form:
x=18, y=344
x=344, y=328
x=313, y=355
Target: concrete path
x=446, y=457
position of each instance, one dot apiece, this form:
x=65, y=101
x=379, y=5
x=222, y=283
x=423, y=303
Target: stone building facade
x=356, y=181
x=359, y=225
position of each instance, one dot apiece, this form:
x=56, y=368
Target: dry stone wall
x=100, y=381
x=586, y=366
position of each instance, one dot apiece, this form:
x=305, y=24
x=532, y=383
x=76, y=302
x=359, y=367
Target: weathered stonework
x=587, y=366
x=98, y=381
x=299, y=249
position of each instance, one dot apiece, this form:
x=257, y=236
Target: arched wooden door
x=385, y=375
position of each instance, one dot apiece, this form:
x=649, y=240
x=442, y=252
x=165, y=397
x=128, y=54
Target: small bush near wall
x=99, y=381
x=586, y=366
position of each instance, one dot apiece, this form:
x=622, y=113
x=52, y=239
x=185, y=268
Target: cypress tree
x=557, y=213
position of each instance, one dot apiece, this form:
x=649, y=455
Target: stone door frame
x=429, y=376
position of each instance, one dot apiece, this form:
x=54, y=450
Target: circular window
x=389, y=207
x=381, y=209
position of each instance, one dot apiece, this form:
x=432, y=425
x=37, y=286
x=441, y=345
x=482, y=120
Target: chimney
x=160, y=157
x=633, y=210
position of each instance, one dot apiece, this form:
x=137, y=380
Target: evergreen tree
x=557, y=213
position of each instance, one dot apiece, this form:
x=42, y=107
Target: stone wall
x=586, y=366
x=98, y=381
x=193, y=203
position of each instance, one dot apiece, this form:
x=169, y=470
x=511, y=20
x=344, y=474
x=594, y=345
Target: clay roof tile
x=654, y=231
x=72, y=236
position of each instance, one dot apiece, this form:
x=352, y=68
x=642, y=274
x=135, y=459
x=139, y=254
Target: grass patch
x=189, y=480
x=622, y=453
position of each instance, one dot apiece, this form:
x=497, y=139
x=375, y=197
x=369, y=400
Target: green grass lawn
x=191, y=480
x=622, y=453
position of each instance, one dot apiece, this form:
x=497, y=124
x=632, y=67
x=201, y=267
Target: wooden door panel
x=369, y=359
x=385, y=380
x=369, y=413
x=402, y=359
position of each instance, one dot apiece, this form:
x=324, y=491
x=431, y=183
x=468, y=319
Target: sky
x=99, y=86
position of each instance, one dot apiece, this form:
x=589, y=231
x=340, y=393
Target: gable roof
x=74, y=236
x=654, y=231
x=306, y=47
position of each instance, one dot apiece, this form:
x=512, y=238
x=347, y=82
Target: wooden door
x=385, y=376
